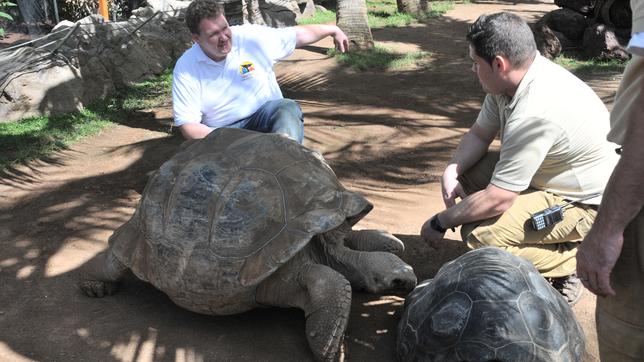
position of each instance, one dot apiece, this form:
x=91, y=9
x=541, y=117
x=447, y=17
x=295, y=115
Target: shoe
x=570, y=287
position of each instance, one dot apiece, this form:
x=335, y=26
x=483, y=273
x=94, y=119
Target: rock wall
x=79, y=63
x=65, y=71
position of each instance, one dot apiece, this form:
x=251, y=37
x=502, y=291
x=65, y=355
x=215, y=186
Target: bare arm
x=472, y=148
x=309, y=34
x=480, y=205
x=623, y=199
x=194, y=130
x=484, y=204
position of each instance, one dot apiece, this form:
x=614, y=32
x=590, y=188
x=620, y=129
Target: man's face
x=489, y=77
x=215, y=37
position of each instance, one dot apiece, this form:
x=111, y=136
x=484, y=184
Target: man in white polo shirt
x=226, y=78
x=554, y=151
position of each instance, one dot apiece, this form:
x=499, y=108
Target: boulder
x=547, y=42
x=584, y=7
x=600, y=42
x=568, y=22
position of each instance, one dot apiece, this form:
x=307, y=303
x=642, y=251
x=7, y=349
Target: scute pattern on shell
x=488, y=305
x=226, y=212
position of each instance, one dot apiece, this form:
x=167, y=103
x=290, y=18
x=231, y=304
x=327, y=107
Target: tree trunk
x=412, y=6
x=352, y=19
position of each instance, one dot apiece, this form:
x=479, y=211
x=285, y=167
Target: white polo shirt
x=220, y=93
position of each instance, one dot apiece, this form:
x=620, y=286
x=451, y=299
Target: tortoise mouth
x=352, y=220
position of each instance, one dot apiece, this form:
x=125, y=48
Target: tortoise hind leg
x=100, y=275
x=325, y=297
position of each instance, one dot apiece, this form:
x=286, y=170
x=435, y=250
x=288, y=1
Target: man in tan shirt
x=552, y=129
x=610, y=261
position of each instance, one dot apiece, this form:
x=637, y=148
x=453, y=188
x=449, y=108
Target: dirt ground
x=386, y=134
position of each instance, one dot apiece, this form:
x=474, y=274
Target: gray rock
x=600, y=42
x=568, y=22
x=584, y=7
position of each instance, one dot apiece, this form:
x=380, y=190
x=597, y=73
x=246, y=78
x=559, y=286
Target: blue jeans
x=278, y=116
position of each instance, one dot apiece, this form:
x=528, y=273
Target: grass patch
x=38, y=137
x=319, y=17
x=379, y=58
x=149, y=93
x=384, y=14
x=589, y=66
x=438, y=8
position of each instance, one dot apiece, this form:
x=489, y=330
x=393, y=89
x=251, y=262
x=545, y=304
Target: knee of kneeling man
x=292, y=106
x=474, y=242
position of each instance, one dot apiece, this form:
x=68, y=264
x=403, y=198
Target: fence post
x=102, y=9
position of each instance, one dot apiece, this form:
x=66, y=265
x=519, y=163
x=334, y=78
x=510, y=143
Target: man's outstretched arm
x=309, y=34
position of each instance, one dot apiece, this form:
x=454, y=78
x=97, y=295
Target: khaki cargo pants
x=551, y=250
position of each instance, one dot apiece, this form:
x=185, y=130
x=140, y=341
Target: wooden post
x=102, y=9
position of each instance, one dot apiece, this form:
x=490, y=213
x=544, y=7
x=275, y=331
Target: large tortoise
x=243, y=219
x=488, y=305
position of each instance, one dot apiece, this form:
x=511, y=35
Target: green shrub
x=4, y=16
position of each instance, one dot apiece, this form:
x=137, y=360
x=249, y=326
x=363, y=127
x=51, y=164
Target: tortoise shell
x=488, y=305
x=227, y=211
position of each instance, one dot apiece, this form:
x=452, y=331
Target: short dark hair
x=503, y=34
x=199, y=10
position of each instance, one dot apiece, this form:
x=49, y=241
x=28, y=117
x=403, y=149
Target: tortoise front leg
x=100, y=275
x=325, y=297
x=374, y=240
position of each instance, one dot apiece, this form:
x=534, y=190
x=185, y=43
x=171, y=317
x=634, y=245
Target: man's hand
x=309, y=34
x=429, y=235
x=450, y=186
x=596, y=257
x=341, y=41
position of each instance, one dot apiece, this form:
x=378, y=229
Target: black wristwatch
x=435, y=224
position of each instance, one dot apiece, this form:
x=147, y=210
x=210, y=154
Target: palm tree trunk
x=352, y=19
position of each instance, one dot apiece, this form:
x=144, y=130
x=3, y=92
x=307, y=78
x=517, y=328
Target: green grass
x=438, y=8
x=38, y=137
x=589, y=66
x=319, y=17
x=150, y=93
x=384, y=14
x=379, y=58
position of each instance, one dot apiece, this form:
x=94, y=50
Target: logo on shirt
x=246, y=69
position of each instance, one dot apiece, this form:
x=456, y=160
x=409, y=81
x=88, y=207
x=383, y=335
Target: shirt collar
x=202, y=57
x=529, y=76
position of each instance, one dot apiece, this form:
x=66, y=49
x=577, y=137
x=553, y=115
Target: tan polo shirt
x=553, y=135
x=631, y=86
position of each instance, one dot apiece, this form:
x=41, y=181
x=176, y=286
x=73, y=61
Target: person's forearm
x=470, y=150
x=309, y=34
x=195, y=130
x=481, y=205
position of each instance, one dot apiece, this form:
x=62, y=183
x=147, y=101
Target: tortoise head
x=382, y=273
